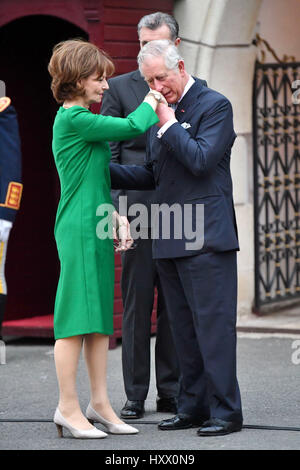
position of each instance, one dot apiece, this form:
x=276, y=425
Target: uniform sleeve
x=96, y=127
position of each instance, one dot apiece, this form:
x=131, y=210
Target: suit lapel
x=184, y=111
x=138, y=86
x=190, y=99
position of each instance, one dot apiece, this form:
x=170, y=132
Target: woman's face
x=94, y=87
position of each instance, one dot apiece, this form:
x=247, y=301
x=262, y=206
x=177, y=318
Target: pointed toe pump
x=61, y=423
x=112, y=428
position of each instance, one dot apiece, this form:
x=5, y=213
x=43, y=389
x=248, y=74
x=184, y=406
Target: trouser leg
x=166, y=364
x=210, y=285
x=138, y=294
x=193, y=398
x=139, y=279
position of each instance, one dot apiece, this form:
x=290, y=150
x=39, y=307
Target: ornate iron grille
x=276, y=138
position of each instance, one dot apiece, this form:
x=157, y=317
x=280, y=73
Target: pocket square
x=186, y=125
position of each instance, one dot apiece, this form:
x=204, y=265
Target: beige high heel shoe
x=61, y=423
x=112, y=428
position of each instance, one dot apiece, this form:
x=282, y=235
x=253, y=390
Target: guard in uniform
x=10, y=185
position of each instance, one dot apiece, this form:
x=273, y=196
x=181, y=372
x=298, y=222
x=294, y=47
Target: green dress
x=85, y=291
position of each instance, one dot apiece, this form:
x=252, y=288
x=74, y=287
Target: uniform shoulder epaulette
x=13, y=195
x=4, y=103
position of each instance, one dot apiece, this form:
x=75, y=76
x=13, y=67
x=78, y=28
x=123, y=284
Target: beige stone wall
x=279, y=24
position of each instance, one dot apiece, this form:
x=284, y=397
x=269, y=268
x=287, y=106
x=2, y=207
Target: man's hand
x=164, y=114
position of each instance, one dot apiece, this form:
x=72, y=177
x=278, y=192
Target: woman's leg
x=95, y=353
x=66, y=355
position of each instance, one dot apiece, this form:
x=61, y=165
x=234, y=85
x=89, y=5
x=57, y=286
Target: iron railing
x=276, y=144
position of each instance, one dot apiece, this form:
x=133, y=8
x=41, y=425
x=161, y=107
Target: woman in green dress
x=83, y=314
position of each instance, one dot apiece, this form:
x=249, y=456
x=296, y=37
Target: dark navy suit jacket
x=190, y=166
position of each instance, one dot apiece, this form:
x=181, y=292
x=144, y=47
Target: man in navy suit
x=188, y=163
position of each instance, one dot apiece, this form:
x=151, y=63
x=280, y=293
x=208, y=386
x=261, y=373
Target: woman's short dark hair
x=73, y=60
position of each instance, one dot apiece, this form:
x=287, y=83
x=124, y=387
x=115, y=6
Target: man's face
x=147, y=35
x=169, y=83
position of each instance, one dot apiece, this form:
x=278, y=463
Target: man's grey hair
x=160, y=48
x=158, y=19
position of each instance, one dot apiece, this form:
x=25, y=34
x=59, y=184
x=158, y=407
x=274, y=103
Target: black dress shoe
x=180, y=421
x=218, y=427
x=166, y=405
x=133, y=409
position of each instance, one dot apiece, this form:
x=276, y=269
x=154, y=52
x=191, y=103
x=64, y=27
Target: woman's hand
x=154, y=97
x=121, y=232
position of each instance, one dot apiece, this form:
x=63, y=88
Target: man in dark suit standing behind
x=188, y=162
x=139, y=274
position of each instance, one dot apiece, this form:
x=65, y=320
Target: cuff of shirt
x=166, y=126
